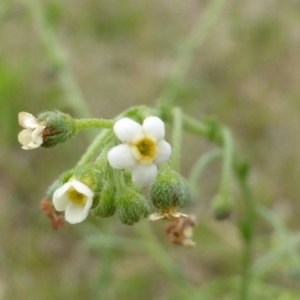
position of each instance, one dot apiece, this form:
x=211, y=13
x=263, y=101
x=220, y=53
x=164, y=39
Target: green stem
x=228, y=150
x=199, y=167
x=160, y=256
x=189, y=48
x=93, y=123
x=94, y=147
x=201, y=129
x=247, y=231
x=283, y=233
x=58, y=59
x=267, y=262
x=176, y=138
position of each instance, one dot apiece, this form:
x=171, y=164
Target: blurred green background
x=245, y=74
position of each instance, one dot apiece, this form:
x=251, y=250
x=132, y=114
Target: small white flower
x=75, y=198
x=142, y=150
x=32, y=136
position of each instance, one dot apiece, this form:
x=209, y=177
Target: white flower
x=142, y=150
x=75, y=198
x=32, y=136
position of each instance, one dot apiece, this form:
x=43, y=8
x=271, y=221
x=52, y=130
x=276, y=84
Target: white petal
x=76, y=213
x=27, y=120
x=30, y=146
x=60, y=199
x=24, y=137
x=127, y=130
x=61, y=190
x=37, y=135
x=29, y=140
x=121, y=157
x=163, y=152
x=154, y=127
x=60, y=203
x=144, y=175
x=81, y=188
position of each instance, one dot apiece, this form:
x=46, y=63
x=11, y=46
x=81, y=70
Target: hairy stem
x=188, y=50
x=58, y=59
x=93, y=123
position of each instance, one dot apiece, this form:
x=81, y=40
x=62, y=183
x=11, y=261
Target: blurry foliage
x=246, y=74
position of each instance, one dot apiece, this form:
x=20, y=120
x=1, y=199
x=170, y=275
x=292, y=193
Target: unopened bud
x=221, y=207
x=131, y=206
x=168, y=190
x=59, y=127
x=106, y=206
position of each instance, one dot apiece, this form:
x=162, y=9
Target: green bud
x=59, y=128
x=106, y=206
x=168, y=190
x=221, y=207
x=131, y=206
x=242, y=168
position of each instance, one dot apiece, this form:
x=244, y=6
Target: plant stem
x=247, y=231
x=228, y=150
x=199, y=167
x=94, y=147
x=58, y=59
x=93, y=123
x=160, y=256
x=198, y=128
x=188, y=50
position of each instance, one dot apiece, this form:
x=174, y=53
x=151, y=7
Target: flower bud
x=106, y=206
x=221, y=207
x=59, y=127
x=131, y=206
x=168, y=190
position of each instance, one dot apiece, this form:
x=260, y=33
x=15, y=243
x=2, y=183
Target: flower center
x=76, y=197
x=144, y=150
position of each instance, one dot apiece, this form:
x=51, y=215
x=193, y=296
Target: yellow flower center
x=145, y=150
x=76, y=197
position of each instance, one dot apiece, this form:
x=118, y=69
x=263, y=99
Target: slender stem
x=247, y=230
x=93, y=123
x=282, y=231
x=58, y=59
x=199, y=167
x=160, y=255
x=201, y=129
x=188, y=49
x=265, y=263
x=228, y=150
x=94, y=147
x=176, y=138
